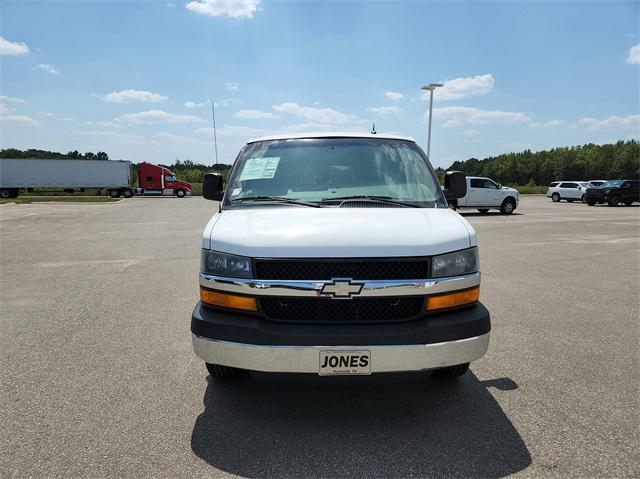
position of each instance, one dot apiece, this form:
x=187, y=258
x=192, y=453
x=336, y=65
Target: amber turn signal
x=224, y=300
x=451, y=300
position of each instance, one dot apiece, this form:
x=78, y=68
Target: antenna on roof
x=373, y=130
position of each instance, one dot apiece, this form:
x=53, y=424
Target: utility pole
x=215, y=140
x=430, y=87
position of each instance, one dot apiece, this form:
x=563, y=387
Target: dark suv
x=614, y=192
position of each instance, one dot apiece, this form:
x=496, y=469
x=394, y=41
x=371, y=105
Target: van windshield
x=330, y=170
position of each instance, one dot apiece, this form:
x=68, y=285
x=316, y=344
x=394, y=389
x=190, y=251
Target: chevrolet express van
x=337, y=254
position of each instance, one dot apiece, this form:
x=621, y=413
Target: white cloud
x=315, y=127
x=45, y=67
x=19, y=120
x=192, y=104
x=548, y=124
x=463, y=87
x=225, y=8
x=514, y=146
x=315, y=114
x=385, y=109
x=152, y=117
x=68, y=119
x=456, y=116
x=129, y=96
x=634, y=55
x=253, y=114
x=233, y=131
x=15, y=100
x=12, y=48
x=622, y=123
x=107, y=124
x=394, y=95
x=470, y=133
x=232, y=86
x=227, y=102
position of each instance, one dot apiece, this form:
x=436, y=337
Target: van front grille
x=356, y=310
x=357, y=269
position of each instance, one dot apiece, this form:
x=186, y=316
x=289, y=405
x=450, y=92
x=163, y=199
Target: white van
x=337, y=254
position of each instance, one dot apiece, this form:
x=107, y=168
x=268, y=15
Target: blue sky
x=133, y=78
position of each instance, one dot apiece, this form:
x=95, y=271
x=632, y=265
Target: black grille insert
x=356, y=310
x=358, y=269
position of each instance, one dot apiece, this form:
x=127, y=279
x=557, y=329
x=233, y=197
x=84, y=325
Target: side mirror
x=499, y=186
x=455, y=185
x=212, y=187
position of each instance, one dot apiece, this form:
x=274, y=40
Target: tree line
x=52, y=155
x=619, y=160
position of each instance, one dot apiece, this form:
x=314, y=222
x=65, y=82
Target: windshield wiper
x=379, y=199
x=279, y=199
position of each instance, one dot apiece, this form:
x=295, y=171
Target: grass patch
x=530, y=189
x=22, y=200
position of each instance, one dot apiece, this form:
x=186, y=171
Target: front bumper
x=249, y=342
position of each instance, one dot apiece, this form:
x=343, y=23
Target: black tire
x=555, y=197
x=483, y=211
x=5, y=194
x=591, y=203
x=180, y=193
x=114, y=193
x=453, y=204
x=127, y=193
x=628, y=203
x=223, y=373
x=452, y=371
x=614, y=200
x=582, y=199
x=508, y=206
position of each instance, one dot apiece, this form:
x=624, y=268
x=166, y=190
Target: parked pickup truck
x=614, y=192
x=485, y=194
x=337, y=254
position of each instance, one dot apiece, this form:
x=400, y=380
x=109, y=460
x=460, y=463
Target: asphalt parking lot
x=99, y=379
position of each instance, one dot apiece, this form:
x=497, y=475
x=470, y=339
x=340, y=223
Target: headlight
x=454, y=264
x=222, y=264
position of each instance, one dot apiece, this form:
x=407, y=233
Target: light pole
x=430, y=87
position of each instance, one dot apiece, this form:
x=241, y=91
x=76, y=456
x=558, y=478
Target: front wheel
x=452, y=371
x=483, y=211
x=582, y=198
x=628, y=203
x=555, y=197
x=591, y=203
x=614, y=200
x=223, y=373
x=508, y=206
x=180, y=193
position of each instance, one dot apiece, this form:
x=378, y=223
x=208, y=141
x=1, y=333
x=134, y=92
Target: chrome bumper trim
x=417, y=287
x=305, y=359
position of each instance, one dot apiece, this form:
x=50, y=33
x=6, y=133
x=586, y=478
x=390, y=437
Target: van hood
x=299, y=232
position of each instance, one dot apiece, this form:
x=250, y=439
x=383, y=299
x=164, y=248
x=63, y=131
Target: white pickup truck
x=337, y=254
x=485, y=194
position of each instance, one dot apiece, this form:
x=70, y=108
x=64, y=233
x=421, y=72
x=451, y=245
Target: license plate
x=344, y=363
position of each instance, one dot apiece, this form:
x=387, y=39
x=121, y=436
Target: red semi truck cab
x=156, y=179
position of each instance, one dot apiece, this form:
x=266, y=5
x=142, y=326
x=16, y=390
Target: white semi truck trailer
x=112, y=176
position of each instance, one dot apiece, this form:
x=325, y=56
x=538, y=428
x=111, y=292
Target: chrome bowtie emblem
x=341, y=288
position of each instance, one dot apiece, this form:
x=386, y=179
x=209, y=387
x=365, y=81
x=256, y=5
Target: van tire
x=614, y=200
x=452, y=371
x=555, y=197
x=223, y=373
x=483, y=211
x=180, y=193
x=508, y=206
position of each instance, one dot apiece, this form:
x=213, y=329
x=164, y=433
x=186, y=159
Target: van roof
x=332, y=134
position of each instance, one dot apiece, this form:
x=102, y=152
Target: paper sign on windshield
x=260, y=168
